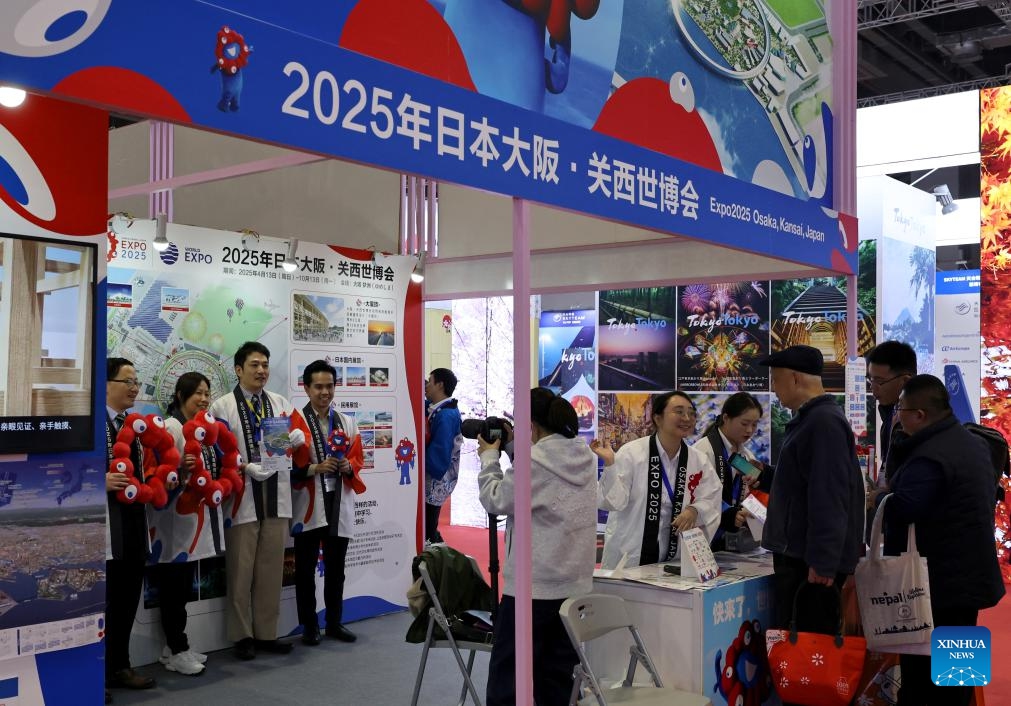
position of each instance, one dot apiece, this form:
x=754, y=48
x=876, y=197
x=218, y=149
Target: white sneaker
x=184, y=665
x=198, y=657
x=166, y=655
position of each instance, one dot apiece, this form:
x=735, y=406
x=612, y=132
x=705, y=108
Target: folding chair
x=437, y=617
x=594, y=615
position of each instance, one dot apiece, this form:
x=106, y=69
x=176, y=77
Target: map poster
x=722, y=331
x=341, y=306
x=638, y=340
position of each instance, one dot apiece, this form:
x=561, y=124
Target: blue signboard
x=196, y=63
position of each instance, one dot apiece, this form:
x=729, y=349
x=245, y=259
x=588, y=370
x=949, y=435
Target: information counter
x=707, y=638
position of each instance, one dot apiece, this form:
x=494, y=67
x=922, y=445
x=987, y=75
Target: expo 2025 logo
x=170, y=255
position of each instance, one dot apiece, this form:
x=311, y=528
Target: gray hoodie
x=563, y=503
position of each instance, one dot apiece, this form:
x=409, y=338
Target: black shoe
x=310, y=636
x=129, y=679
x=108, y=697
x=339, y=632
x=244, y=649
x=274, y=646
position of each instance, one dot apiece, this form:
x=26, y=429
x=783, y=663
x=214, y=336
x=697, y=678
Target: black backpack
x=999, y=454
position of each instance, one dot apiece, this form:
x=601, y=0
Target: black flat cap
x=803, y=359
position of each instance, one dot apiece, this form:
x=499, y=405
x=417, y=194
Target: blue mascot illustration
x=538, y=38
x=405, y=460
x=232, y=55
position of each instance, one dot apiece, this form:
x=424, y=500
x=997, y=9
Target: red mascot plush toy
x=153, y=436
x=204, y=430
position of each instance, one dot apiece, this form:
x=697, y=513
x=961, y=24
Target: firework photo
x=722, y=330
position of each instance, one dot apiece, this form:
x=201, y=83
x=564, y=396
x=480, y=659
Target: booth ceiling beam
x=878, y=13
x=293, y=159
x=932, y=91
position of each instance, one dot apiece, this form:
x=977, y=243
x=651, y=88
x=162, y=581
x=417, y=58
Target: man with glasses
x=943, y=484
x=126, y=541
x=814, y=526
x=889, y=366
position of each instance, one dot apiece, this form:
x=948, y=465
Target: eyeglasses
x=129, y=382
x=681, y=412
x=906, y=409
x=878, y=382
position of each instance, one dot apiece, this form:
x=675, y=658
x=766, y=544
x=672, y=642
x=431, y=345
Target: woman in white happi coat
x=184, y=531
x=729, y=435
x=656, y=487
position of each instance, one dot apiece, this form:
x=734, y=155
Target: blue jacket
x=442, y=452
x=816, y=506
x=944, y=484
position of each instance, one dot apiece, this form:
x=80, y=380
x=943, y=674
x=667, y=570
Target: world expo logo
x=170, y=255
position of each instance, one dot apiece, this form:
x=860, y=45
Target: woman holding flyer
x=656, y=487
x=723, y=440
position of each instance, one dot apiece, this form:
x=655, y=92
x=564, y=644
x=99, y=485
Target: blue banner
x=196, y=63
x=958, y=282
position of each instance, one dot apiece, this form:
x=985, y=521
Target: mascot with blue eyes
x=232, y=55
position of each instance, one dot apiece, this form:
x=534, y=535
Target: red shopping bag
x=813, y=668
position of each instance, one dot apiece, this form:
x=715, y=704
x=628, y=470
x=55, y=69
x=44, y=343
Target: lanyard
x=666, y=483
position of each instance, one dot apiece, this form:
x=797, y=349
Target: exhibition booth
x=609, y=165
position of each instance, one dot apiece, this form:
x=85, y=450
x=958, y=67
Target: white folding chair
x=437, y=617
x=594, y=615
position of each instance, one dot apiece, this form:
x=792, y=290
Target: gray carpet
x=378, y=669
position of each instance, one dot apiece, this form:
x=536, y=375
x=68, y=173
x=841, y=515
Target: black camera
x=490, y=429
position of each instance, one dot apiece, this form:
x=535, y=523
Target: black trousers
x=432, y=522
x=817, y=606
x=554, y=657
x=335, y=551
x=124, y=581
x=918, y=688
x=175, y=584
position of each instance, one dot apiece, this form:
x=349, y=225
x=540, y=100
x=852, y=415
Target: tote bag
x=894, y=596
x=813, y=668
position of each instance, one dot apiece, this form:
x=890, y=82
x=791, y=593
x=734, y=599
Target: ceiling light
x=290, y=264
x=161, y=242
x=11, y=97
x=418, y=275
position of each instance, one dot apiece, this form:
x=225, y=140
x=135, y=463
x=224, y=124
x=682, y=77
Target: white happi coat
x=623, y=493
x=189, y=537
x=302, y=520
x=225, y=409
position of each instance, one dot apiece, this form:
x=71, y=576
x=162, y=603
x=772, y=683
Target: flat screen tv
x=47, y=366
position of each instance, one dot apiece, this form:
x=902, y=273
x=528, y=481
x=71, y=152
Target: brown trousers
x=254, y=563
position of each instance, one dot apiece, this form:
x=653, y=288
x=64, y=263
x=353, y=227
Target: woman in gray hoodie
x=563, y=518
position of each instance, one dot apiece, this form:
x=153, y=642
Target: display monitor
x=47, y=367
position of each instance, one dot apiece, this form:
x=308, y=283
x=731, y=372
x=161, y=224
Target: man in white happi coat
x=256, y=521
x=323, y=497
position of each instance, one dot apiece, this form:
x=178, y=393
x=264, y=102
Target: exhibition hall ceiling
x=916, y=48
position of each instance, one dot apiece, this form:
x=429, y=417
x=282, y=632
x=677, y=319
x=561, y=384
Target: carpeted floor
x=380, y=668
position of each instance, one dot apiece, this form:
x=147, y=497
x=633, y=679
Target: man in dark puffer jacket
x=944, y=485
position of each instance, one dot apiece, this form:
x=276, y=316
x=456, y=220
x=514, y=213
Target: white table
x=688, y=626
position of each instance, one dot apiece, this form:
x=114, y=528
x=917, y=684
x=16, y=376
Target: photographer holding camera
x=563, y=518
